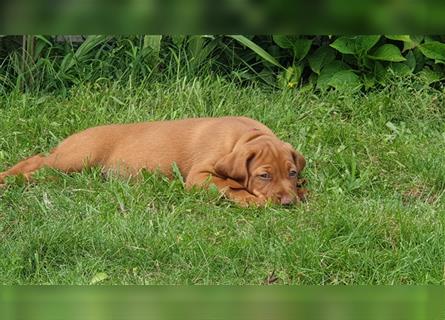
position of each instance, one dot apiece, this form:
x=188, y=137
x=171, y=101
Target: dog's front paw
x=252, y=201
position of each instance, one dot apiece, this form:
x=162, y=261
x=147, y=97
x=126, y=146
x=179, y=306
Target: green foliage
x=329, y=74
x=434, y=50
x=281, y=61
x=298, y=45
x=387, y=52
x=320, y=58
x=352, y=61
x=358, y=45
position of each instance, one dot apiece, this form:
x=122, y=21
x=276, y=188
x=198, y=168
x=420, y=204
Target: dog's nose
x=286, y=200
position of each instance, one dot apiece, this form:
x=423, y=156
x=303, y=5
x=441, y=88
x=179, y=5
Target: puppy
x=242, y=157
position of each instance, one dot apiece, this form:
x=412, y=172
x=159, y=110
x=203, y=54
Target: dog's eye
x=293, y=174
x=265, y=176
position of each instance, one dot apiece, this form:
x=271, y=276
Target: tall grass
x=46, y=65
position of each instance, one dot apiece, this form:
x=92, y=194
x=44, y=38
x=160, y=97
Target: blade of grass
x=257, y=49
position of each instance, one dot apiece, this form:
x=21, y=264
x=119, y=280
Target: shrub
x=281, y=61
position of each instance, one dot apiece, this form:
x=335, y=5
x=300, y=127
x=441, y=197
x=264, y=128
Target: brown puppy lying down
x=241, y=156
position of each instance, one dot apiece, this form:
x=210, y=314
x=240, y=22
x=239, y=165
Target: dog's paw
x=249, y=201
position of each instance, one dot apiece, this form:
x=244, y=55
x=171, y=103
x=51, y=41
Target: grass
x=376, y=214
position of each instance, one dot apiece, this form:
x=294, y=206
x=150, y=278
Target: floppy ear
x=299, y=160
x=235, y=165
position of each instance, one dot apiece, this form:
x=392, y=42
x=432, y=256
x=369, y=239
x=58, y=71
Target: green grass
x=376, y=213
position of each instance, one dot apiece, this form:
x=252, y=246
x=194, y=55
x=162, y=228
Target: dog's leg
x=230, y=188
x=57, y=161
x=71, y=155
x=25, y=167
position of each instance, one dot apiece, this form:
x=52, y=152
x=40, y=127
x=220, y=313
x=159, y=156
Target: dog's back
x=150, y=145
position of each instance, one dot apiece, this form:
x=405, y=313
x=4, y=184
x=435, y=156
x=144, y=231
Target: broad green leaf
x=257, y=49
x=344, y=45
x=365, y=43
x=409, y=45
x=434, y=50
x=404, y=38
x=358, y=45
x=334, y=66
x=283, y=41
x=328, y=71
x=387, y=52
x=409, y=42
x=345, y=80
x=321, y=57
x=417, y=38
x=301, y=48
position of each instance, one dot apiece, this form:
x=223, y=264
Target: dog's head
x=265, y=166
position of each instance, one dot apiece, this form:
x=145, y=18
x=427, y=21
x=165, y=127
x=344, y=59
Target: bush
x=324, y=62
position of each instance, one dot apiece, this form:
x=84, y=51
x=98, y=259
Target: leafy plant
x=351, y=62
x=359, y=62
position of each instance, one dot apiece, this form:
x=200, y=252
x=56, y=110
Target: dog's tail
x=25, y=168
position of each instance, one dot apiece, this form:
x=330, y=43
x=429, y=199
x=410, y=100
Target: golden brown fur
x=242, y=157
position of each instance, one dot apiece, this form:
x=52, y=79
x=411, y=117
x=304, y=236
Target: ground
x=375, y=165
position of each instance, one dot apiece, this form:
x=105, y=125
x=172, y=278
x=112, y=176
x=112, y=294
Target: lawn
x=375, y=165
